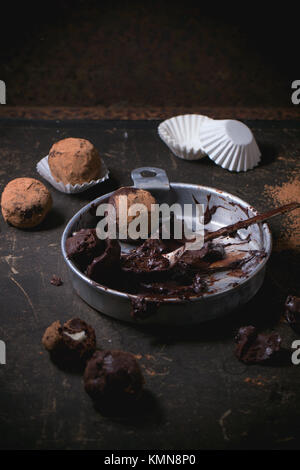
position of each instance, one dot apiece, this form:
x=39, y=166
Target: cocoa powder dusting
x=287, y=192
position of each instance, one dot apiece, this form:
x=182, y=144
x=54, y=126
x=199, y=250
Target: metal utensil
x=174, y=256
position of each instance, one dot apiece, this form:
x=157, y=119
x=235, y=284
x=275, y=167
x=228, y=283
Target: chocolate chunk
x=292, y=312
x=56, y=280
x=209, y=253
x=255, y=348
x=146, y=258
x=112, y=375
x=142, y=307
x=215, y=252
x=104, y=266
x=83, y=246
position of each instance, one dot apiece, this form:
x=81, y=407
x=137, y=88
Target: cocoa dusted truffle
x=254, y=348
x=133, y=196
x=83, y=246
x=25, y=202
x=113, y=374
x=74, y=161
x=75, y=340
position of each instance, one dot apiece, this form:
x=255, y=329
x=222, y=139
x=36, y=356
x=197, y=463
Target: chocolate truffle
x=25, y=202
x=292, y=312
x=74, y=341
x=111, y=374
x=255, y=348
x=83, y=246
x=133, y=196
x=74, y=161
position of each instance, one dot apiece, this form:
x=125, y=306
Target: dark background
x=120, y=53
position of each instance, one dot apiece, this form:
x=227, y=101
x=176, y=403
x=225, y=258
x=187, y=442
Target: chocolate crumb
x=142, y=308
x=255, y=348
x=56, y=280
x=292, y=312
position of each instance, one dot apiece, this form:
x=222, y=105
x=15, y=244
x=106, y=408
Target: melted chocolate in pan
x=144, y=274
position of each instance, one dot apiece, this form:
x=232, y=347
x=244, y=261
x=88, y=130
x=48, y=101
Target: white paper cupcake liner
x=230, y=144
x=182, y=134
x=44, y=170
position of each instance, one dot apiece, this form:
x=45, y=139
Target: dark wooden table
x=198, y=396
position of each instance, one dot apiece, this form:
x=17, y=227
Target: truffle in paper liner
x=44, y=170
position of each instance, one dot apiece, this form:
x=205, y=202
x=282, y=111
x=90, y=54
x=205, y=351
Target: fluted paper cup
x=182, y=134
x=44, y=170
x=230, y=144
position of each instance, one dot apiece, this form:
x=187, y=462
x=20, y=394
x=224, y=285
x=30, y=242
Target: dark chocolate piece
x=202, y=258
x=104, y=266
x=292, y=312
x=255, y=348
x=56, y=280
x=112, y=375
x=146, y=258
x=143, y=308
x=83, y=246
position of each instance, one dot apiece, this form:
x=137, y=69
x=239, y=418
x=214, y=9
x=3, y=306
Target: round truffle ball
x=111, y=374
x=131, y=196
x=25, y=202
x=75, y=340
x=74, y=161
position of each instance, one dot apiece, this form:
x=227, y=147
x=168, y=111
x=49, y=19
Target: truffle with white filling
x=73, y=341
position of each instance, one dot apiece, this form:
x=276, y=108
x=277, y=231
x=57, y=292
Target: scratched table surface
x=197, y=394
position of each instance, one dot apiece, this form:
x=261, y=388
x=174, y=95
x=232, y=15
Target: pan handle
x=150, y=178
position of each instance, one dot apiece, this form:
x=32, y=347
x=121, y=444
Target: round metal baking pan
x=226, y=295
